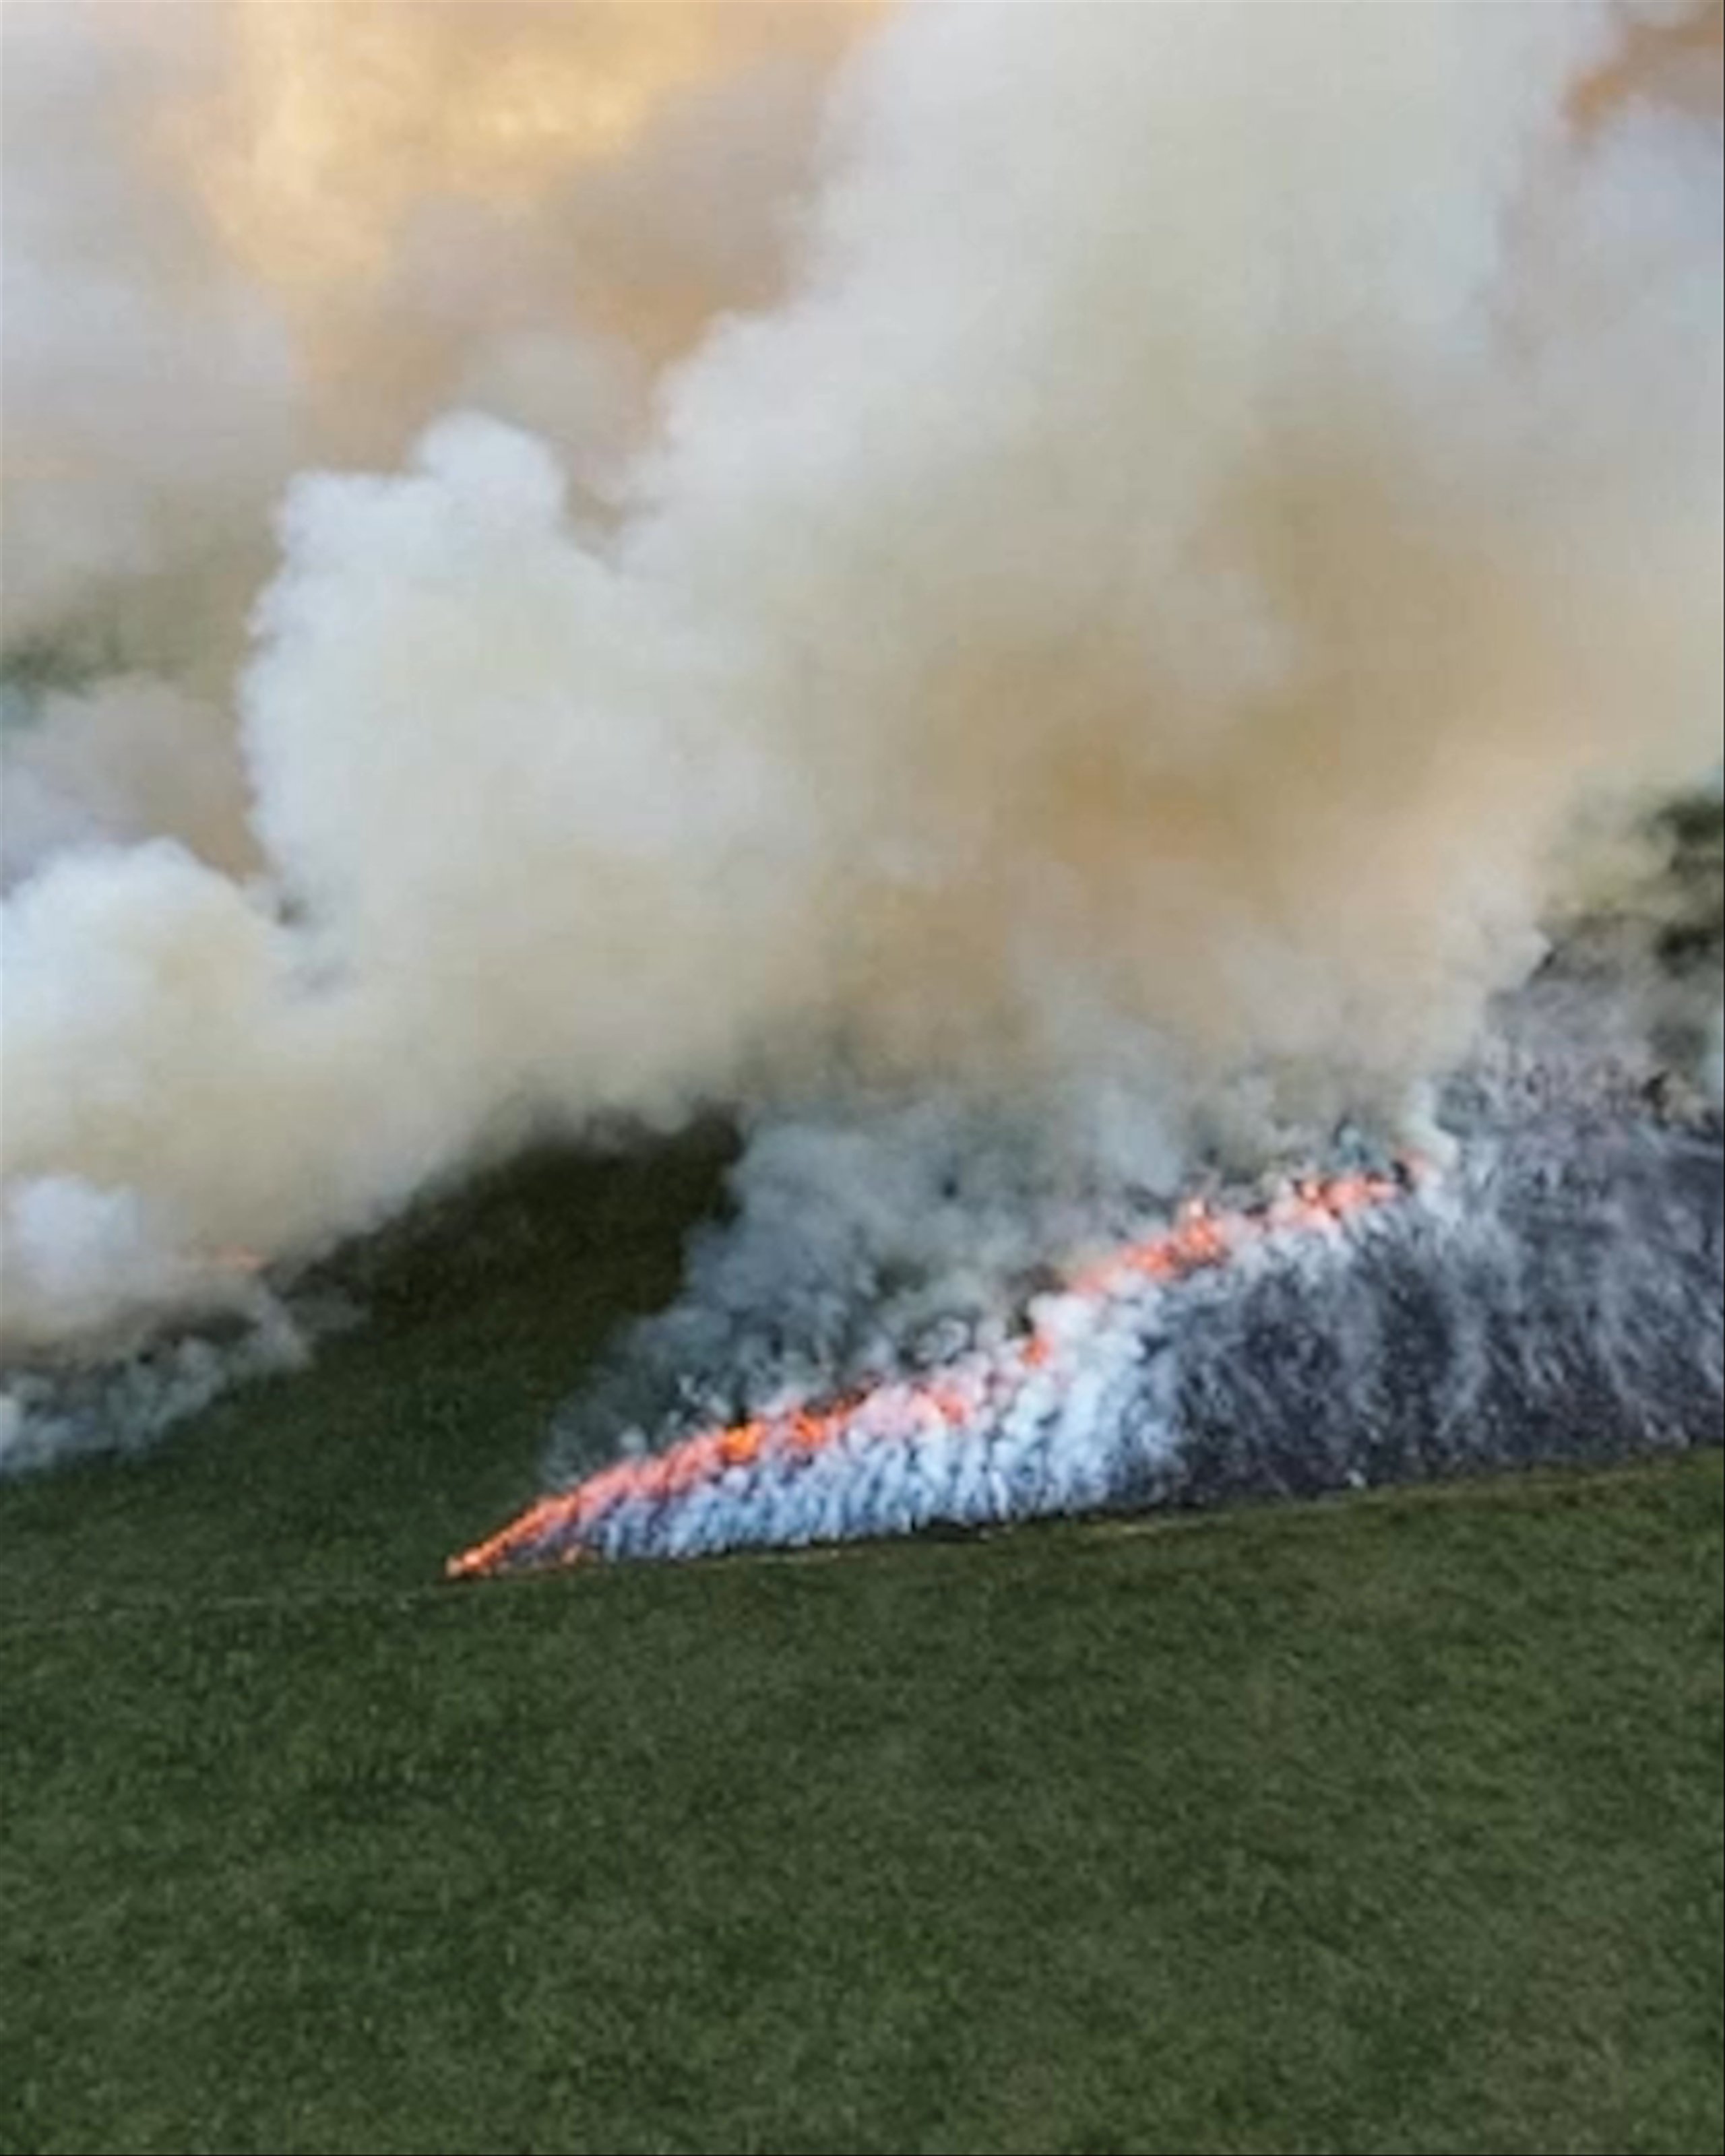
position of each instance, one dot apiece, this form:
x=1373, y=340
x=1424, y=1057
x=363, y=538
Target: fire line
x=561, y=1529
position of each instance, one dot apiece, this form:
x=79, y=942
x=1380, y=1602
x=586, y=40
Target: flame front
x=972, y=1396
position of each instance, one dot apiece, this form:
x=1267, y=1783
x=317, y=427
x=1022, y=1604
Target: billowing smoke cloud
x=1201, y=505
x=243, y=239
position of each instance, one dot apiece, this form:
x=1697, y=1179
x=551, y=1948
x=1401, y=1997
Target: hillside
x=1386, y=1825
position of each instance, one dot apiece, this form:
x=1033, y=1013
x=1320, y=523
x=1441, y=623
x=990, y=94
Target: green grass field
x=1387, y=1826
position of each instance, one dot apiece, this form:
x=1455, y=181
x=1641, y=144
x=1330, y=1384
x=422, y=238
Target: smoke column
x=1100, y=563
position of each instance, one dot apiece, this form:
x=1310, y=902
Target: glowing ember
x=608, y=1512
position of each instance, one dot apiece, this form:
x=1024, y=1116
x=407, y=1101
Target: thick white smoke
x=241, y=239
x=1222, y=491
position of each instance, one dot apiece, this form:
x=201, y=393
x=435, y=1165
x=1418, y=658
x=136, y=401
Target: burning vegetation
x=971, y=1444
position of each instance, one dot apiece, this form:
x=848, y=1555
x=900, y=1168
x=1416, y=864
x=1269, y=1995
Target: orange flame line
x=1200, y=1240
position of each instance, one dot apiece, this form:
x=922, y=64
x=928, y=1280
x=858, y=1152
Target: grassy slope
x=1393, y=1825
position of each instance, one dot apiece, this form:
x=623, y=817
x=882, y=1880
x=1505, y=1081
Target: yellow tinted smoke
x=333, y=122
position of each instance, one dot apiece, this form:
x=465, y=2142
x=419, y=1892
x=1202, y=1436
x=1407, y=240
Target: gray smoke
x=1557, y=1296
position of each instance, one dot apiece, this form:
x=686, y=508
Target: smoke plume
x=1107, y=564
